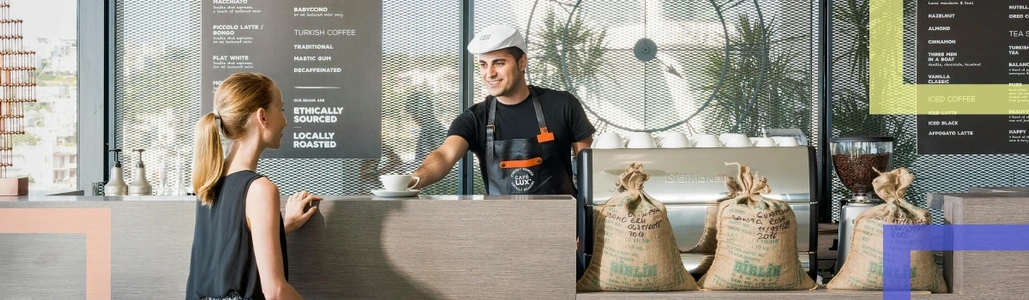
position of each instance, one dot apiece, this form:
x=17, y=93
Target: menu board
x=324, y=55
x=974, y=42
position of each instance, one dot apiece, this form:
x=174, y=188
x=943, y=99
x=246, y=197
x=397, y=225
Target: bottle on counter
x=115, y=184
x=140, y=186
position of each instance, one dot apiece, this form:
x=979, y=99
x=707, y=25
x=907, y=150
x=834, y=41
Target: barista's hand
x=299, y=209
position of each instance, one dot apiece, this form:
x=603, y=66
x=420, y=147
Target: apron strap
x=545, y=134
x=490, y=130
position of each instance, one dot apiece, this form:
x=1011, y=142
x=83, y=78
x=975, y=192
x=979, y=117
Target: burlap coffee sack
x=863, y=269
x=633, y=247
x=757, y=242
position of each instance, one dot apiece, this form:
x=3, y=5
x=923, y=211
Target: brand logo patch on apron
x=523, y=179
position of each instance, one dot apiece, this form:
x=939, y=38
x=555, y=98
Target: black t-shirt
x=564, y=115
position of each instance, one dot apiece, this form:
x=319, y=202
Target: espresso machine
x=856, y=160
x=689, y=181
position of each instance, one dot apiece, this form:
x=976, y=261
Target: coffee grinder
x=854, y=159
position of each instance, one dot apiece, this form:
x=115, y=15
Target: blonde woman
x=239, y=242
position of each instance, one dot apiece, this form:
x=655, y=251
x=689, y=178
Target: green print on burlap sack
x=757, y=241
x=634, y=248
x=863, y=269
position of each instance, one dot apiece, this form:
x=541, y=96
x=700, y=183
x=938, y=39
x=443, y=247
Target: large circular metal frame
x=729, y=48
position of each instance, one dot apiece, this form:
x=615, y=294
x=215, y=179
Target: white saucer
x=391, y=194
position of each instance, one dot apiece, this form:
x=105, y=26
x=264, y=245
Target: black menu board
x=324, y=55
x=985, y=45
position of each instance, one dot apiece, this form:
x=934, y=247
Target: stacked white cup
x=640, y=140
x=705, y=141
x=672, y=139
x=734, y=140
x=785, y=141
x=762, y=142
x=608, y=140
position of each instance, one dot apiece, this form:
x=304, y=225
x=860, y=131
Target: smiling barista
x=524, y=136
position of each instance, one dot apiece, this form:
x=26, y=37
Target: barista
x=524, y=136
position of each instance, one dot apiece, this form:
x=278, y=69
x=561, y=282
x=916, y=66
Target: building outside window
x=47, y=152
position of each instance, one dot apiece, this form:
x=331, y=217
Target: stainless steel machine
x=856, y=160
x=689, y=182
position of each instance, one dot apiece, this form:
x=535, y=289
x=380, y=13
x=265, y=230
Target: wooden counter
x=985, y=274
x=449, y=247
x=474, y=247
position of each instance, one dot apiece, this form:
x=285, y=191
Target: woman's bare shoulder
x=261, y=191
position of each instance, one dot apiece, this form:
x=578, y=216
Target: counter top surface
x=427, y=247
x=40, y=198
x=936, y=200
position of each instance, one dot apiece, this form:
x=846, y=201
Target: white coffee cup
x=608, y=140
x=735, y=140
x=672, y=139
x=763, y=142
x=397, y=183
x=785, y=141
x=705, y=141
x=640, y=140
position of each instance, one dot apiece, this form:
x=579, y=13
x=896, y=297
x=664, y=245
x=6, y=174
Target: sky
x=46, y=18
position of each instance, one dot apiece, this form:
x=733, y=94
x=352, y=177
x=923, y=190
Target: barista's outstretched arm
x=583, y=144
x=439, y=163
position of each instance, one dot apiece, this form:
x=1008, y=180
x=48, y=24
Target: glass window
x=712, y=74
x=158, y=61
x=49, y=28
x=157, y=89
x=599, y=52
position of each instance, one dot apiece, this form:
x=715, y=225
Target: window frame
x=95, y=55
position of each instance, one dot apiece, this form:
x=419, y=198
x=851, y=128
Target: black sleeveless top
x=223, y=261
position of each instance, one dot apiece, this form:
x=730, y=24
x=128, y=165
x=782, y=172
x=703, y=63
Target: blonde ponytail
x=235, y=100
x=208, y=159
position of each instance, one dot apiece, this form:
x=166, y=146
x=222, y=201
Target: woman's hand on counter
x=299, y=209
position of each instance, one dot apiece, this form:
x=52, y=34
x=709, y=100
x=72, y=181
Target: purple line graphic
x=900, y=240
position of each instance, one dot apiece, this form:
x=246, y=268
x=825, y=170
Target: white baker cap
x=496, y=37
